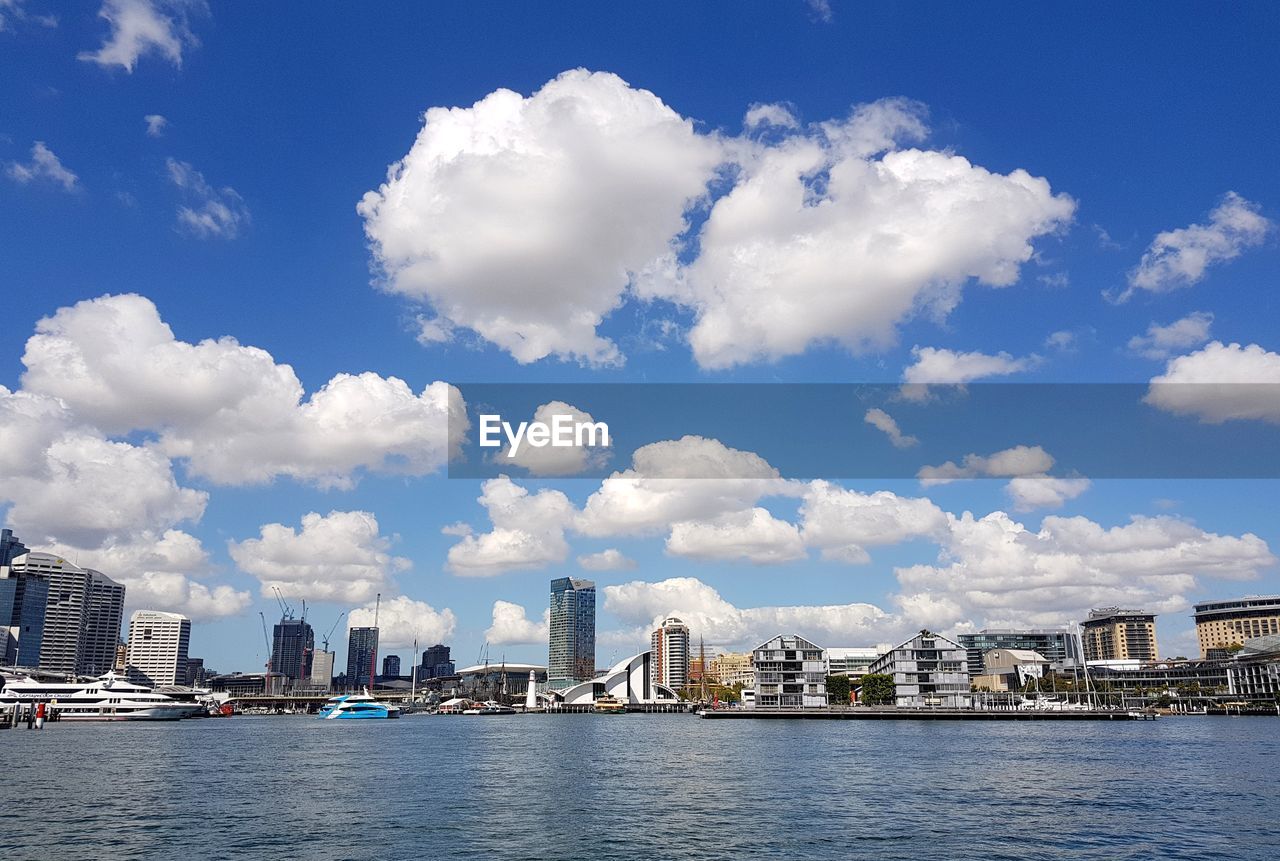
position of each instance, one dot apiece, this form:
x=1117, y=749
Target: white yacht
x=107, y=697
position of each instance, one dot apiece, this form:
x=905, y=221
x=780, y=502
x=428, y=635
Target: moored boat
x=357, y=707
x=106, y=698
x=609, y=705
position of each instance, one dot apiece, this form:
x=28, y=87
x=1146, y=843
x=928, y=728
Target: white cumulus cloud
x=339, y=556
x=611, y=559
x=754, y=536
x=549, y=460
x=1220, y=383
x=402, y=621
x=156, y=124
x=1179, y=258
x=511, y=626
x=1161, y=342
x=843, y=523
x=887, y=425
x=528, y=531
x=1020, y=460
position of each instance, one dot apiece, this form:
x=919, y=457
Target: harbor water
x=642, y=787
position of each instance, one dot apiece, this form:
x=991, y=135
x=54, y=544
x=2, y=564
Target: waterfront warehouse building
x=362, y=649
x=669, y=646
x=1222, y=624
x=928, y=671
x=82, y=615
x=572, y=646
x=1010, y=669
x=791, y=673
x=157, y=651
x=23, y=599
x=1254, y=672
x=1112, y=634
x=1059, y=646
x=630, y=680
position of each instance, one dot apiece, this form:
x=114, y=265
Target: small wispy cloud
x=213, y=213
x=44, y=164
x=156, y=124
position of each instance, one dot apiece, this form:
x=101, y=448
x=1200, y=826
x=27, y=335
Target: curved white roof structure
x=499, y=667
x=627, y=680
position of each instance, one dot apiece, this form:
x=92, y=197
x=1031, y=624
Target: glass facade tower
x=573, y=632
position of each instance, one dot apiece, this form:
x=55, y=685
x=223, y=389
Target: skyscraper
x=82, y=615
x=573, y=632
x=670, y=647
x=292, y=643
x=362, y=647
x=23, y=597
x=322, y=669
x=391, y=666
x=436, y=662
x=158, y=645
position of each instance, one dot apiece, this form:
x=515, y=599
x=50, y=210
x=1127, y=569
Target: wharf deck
x=918, y=714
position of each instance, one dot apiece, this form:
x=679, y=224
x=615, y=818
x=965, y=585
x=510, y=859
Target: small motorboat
x=489, y=707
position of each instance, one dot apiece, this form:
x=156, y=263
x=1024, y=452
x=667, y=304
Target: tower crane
x=334, y=627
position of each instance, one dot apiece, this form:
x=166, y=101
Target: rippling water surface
x=642, y=786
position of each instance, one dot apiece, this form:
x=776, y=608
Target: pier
x=921, y=714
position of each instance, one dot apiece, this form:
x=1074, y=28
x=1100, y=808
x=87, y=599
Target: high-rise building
x=158, y=645
x=573, y=632
x=391, y=666
x=669, y=645
x=292, y=642
x=197, y=675
x=436, y=663
x=1058, y=645
x=1112, y=634
x=82, y=615
x=10, y=547
x=362, y=650
x=322, y=669
x=1221, y=624
x=23, y=598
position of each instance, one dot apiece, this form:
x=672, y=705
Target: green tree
x=878, y=689
x=838, y=690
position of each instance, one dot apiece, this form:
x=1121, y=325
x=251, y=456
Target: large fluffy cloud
x=236, y=415
x=403, y=621
x=529, y=220
x=996, y=570
x=528, y=531
x=339, y=556
x=511, y=626
x=551, y=460
x=1179, y=258
x=1219, y=383
x=844, y=523
x=642, y=605
x=522, y=218
x=837, y=234
x=754, y=535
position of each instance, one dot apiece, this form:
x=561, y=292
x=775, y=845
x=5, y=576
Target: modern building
x=852, y=662
x=197, y=674
x=791, y=673
x=1223, y=624
x=1112, y=634
x=630, y=680
x=1185, y=680
x=1059, y=646
x=322, y=669
x=733, y=668
x=292, y=644
x=82, y=615
x=391, y=666
x=157, y=652
x=436, y=663
x=362, y=651
x=669, y=650
x=572, y=652
x=23, y=599
x=1254, y=672
x=928, y=670
x=1010, y=669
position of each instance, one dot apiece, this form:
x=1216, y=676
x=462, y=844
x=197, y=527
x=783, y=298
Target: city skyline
x=236, y=378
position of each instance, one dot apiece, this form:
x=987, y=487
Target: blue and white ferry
x=357, y=707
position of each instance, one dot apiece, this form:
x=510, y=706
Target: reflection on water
x=642, y=786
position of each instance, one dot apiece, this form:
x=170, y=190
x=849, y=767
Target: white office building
x=158, y=645
x=669, y=650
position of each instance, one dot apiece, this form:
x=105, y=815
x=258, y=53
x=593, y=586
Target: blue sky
x=286, y=116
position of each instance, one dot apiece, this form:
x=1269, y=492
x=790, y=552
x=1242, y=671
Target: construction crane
x=267, y=640
x=286, y=612
x=325, y=638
